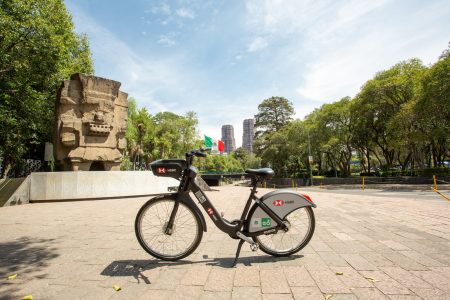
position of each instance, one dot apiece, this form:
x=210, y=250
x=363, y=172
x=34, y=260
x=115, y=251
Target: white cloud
x=257, y=44
x=167, y=40
x=331, y=48
x=164, y=8
x=185, y=13
x=142, y=77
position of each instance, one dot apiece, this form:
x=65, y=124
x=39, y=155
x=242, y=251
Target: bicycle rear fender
x=186, y=199
x=281, y=202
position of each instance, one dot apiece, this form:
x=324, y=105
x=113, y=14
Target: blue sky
x=222, y=58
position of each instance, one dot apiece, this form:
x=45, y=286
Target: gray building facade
x=248, y=133
x=228, y=138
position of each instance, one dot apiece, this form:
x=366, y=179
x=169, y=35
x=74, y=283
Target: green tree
x=246, y=158
x=219, y=164
x=175, y=134
x=273, y=114
x=333, y=134
x=164, y=135
x=38, y=49
x=433, y=108
x=378, y=102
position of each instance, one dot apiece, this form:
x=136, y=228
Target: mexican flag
x=208, y=142
x=221, y=146
x=214, y=144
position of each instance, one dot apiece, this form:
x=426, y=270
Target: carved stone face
x=92, y=116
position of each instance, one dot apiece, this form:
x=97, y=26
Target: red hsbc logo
x=161, y=170
x=278, y=202
x=210, y=211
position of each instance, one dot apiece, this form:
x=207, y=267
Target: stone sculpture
x=91, y=119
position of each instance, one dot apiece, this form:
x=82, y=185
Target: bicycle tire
x=262, y=239
x=186, y=224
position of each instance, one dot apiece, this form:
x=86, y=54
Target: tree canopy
x=163, y=135
x=399, y=119
x=38, y=49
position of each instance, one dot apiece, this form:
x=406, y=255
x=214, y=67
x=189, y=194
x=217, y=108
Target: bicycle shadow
x=137, y=268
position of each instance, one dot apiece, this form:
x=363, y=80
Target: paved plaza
x=365, y=246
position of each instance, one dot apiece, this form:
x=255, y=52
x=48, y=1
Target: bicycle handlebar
x=197, y=152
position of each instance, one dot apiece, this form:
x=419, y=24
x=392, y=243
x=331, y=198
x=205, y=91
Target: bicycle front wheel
x=151, y=224
x=301, y=224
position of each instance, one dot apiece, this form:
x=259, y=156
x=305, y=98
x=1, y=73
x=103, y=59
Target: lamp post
x=310, y=160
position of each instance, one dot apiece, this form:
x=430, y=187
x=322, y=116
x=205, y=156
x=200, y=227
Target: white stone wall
x=94, y=185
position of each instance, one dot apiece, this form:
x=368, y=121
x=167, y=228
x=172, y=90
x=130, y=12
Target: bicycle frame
x=189, y=183
x=268, y=215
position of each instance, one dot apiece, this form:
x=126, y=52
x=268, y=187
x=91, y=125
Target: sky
x=221, y=59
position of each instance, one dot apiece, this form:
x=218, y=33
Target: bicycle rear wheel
x=151, y=224
x=301, y=223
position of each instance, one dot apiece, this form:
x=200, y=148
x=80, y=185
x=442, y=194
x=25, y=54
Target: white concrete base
x=96, y=184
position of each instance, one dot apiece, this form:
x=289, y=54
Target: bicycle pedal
x=254, y=247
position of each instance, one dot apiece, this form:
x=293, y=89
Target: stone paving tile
x=404, y=297
x=220, y=280
x=394, y=245
x=314, y=262
x=274, y=282
x=328, y=282
x=320, y=246
x=276, y=296
x=358, y=262
x=434, y=278
x=343, y=297
x=246, y=293
x=443, y=271
x=369, y=294
x=196, y=275
x=351, y=277
x=298, y=276
x=405, y=278
x=431, y=293
x=188, y=292
x=343, y=236
x=247, y=276
x=168, y=279
x=341, y=247
x=333, y=259
x=376, y=259
x=208, y=295
x=80, y=249
x=385, y=283
x=422, y=258
x=307, y=292
x=158, y=294
x=404, y=262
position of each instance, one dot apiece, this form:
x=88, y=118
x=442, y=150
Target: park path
x=364, y=247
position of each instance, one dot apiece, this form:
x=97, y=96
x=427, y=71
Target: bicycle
x=170, y=226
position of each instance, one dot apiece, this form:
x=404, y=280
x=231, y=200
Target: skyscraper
x=247, y=136
x=228, y=138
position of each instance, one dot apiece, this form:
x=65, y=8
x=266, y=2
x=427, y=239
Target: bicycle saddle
x=266, y=173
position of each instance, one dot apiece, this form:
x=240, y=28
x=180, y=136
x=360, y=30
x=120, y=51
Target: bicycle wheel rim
x=298, y=235
x=152, y=223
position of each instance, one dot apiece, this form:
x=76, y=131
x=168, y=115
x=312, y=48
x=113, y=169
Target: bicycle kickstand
x=238, y=251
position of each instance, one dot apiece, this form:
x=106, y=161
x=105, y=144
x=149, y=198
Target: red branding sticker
x=161, y=170
x=210, y=211
x=278, y=202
